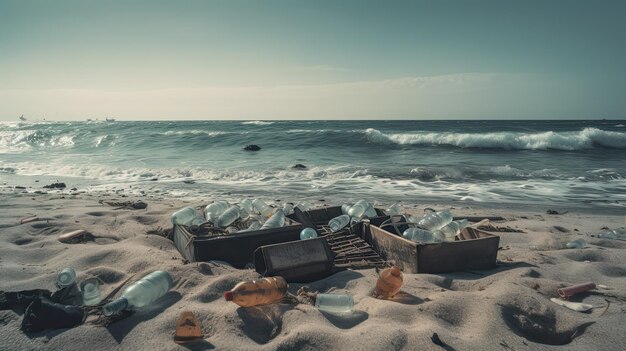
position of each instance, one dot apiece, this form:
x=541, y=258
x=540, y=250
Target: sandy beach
x=506, y=308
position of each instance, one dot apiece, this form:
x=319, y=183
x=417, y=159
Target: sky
x=324, y=59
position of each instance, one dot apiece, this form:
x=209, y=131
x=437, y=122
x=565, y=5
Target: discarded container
x=214, y=210
x=303, y=206
x=263, y=208
x=615, y=234
x=334, y=303
x=254, y=225
x=308, y=233
x=475, y=250
x=228, y=217
x=339, y=222
x=187, y=216
x=90, y=289
x=434, y=221
x=576, y=244
x=359, y=208
x=288, y=209
x=394, y=209
x=321, y=216
x=574, y=306
x=257, y=292
x=389, y=282
x=276, y=221
x=246, y=205
x=141, y=293
x=450, y=230
x=188, y=328
x=345, y=208
x=66, y=277
x=296, y=261
x=420, y=235
x=575, y=289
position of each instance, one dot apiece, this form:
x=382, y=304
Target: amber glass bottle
x=258, y=292
x=389, y=283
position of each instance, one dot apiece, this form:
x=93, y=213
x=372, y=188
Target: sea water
x=569, y=164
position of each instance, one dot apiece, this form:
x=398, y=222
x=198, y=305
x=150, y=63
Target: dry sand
x=507, y=308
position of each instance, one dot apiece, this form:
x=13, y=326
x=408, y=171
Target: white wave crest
x=258, y=123
x=570, y=141
x=192, y=132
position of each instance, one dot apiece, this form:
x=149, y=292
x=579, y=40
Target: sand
x=507, y=308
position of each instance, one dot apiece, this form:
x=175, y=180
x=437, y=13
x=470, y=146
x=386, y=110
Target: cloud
x=464, y=95
x=320, y=68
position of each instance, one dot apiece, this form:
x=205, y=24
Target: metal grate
x=350, y=250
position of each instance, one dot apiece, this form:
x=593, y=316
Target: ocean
x=561, y=164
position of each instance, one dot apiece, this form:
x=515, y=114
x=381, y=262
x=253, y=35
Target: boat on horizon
x=22, y=118
x=109, y=119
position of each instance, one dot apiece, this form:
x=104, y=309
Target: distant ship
x=22, y=118
x=110, y=119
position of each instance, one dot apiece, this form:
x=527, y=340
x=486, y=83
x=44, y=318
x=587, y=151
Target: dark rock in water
x=299, y=166
x=20, y=187
x=154, y=179
x=55, y=186
x=252, y=147
x=139, y=205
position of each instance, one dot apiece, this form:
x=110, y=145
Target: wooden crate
x=476, y=251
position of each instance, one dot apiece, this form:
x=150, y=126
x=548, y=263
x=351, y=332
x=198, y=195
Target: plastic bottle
x=434, y=221
x=345, y=208
x=246, y=204
x=66, y=277
x=214, y=210
x=258, y=292
x=370, y=212
x=615, y=234
x=231, y=230
x=143, y=292
x=576, y=244
x=358, y=209
x=308, y=233
x=450, y=230
x=421, y=235
x=187, y=216
x=303, y=206
x=394, y=209
x=334, y=303
x=389, y=282
x=228, y=217
x=90, y=289
x=276, y=221
x=254, y=225
x=262, y=207
x=339, y=222
x=288, y=209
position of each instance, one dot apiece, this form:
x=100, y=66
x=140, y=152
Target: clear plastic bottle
x=303, y=206
x=187, y=216
x=576, y=244
x=434, y=221
x=389, y=282
x=258, y=292
x=450, y=230
x=143, y=292
x=288, y=208
x=214, y=210
x=66, y=277
x=394, y=209
x=246, y=204
x=228, y=217
x=358, y=209
x=334, y=303
x=308, y=233
x=421, y=236
x=345, y=208
x=339, y=222
x=263, y=208
x=370, y=212
x=254, y=225
x=615, y=234
x=90, y=289
x=276, y=221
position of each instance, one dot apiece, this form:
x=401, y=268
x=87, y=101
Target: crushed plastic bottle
x=66, y=277
x=434, y=221
x=214, y=210
x=228, y=217
x=187, y=216
x=90, y=289
x=308, y=233
x=451, y=230
x=263, y=208
x=615, y=234
x=576, y=244
x=420, y=235
x=143, y=292
x=338, y=222
x=394, y=209
x=389, y=282
x=334, y=303
x=276, y=221
x=257, y=292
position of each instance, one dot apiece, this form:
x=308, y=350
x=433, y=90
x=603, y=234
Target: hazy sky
x=357, y=59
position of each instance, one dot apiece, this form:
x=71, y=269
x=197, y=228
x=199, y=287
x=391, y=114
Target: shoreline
x=508, y=305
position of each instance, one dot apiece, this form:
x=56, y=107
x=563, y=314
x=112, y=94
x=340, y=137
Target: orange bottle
x=258, y=292
x=389, y=283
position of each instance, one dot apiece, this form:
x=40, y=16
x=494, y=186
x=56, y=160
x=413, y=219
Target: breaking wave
x=258, y=123
x=587, y=138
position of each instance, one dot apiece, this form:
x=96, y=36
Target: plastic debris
x=574, y=306
x=188, y=328
x=575, y=289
